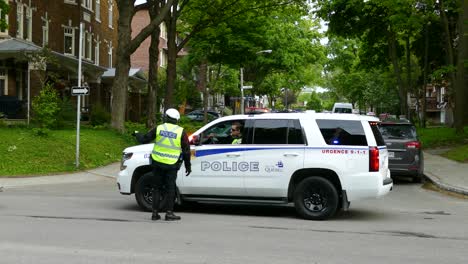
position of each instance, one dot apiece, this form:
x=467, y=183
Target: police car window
x=276, y=131
x=295, y=135
x=342, y=132
x=219, y=133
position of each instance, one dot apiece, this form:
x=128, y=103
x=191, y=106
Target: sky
x=137, y=2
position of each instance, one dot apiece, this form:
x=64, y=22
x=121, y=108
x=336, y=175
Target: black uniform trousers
x=164, y=183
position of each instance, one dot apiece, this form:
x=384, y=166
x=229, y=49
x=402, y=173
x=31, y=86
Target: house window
x=89, y=45
x=69, y=40
x=4, y=16
x=45, y=30
x=111, y=13
x=163, y=29
x=98, y=10
x=109, y=54
x=27, y=23
x=73, y=2
x=19, y=20
x=162, y=59
x=3, y=82
x=87, y=4
x=96, y=51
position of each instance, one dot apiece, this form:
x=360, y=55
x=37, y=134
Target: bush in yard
x=67, y=115
x=99, y=115
x=46, y=107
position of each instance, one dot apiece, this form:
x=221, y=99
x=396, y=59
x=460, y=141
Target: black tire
x=418, y=178
x=144, y=192
x=315, y=198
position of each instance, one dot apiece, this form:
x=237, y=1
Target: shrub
x=41, y=132
x=45, y=107
x=99, y=116
x=67, y=114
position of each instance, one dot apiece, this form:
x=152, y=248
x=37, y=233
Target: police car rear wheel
x=144, y=192
x=316, y=198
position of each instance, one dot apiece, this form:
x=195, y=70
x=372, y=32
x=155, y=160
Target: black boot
x=170, y=216
x=155, y=216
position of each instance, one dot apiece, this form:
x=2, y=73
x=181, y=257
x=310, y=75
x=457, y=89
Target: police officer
x=170, y=148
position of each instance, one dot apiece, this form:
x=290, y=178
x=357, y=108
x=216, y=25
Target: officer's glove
x=188, y=171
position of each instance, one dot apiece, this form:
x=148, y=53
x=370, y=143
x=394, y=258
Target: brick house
x=55, y=24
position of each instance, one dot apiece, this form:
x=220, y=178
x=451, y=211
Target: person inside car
x=236, y=133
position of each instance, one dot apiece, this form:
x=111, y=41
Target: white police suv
x=320, y=162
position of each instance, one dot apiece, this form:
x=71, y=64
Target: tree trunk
x=202, y=87
x=408, y=74
x=171, y=21
x=462, y=73
x=153, y=69
x=450, y=52
x=425, y=73
x=126, y=46
x=119, y=87
x=396, y=67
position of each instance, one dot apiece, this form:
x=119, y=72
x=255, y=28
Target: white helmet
x=173, y=113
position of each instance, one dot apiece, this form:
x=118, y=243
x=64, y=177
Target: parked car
x=345, y=108
x=198, y=115
x=405, y=156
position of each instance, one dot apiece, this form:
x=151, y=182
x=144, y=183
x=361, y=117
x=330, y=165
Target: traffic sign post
x=77, y=90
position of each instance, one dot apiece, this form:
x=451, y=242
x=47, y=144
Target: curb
x=446, y=187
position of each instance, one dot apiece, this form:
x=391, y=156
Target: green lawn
x=24, y=153
x=459, y=154
x=444, y=137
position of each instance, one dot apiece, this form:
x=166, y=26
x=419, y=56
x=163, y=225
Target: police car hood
x=140, y=148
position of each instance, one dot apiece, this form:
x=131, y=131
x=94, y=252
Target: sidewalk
x=446, y=174
x=84, y=176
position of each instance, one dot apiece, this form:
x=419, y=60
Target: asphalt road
x=92, y=223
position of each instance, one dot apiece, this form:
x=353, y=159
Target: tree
x=380, y=25
x=127, y=46
x=4, y=9
x=462, y=70
x=212, y=19
x=153, y=51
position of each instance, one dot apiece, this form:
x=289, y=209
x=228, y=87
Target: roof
x=15, y=48
x=12, y=45
x=137, y=78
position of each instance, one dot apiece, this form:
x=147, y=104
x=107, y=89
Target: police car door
x=275, y=148
x=215, y=164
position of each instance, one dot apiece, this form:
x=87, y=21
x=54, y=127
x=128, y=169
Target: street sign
x=247, y=87
x=77, y=90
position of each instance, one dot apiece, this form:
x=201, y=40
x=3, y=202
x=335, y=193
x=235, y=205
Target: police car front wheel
x=144, y=192
x=316, y=198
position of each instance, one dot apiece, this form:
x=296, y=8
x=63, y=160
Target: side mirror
x=194, y=140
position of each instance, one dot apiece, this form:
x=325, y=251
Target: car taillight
x=413, y=144
x=373, y=159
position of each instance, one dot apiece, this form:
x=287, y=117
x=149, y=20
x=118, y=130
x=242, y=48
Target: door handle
x=290, y=154
x=235, y=155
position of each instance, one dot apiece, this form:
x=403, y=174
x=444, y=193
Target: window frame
x=45, y=30
x=96, y=50
x=4, y=77
x=72, y=36
x=109, y=53
x=110, y=17
x=97, y=11
x=88, y=4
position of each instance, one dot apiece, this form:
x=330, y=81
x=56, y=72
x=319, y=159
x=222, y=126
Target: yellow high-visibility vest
x=167, y=145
